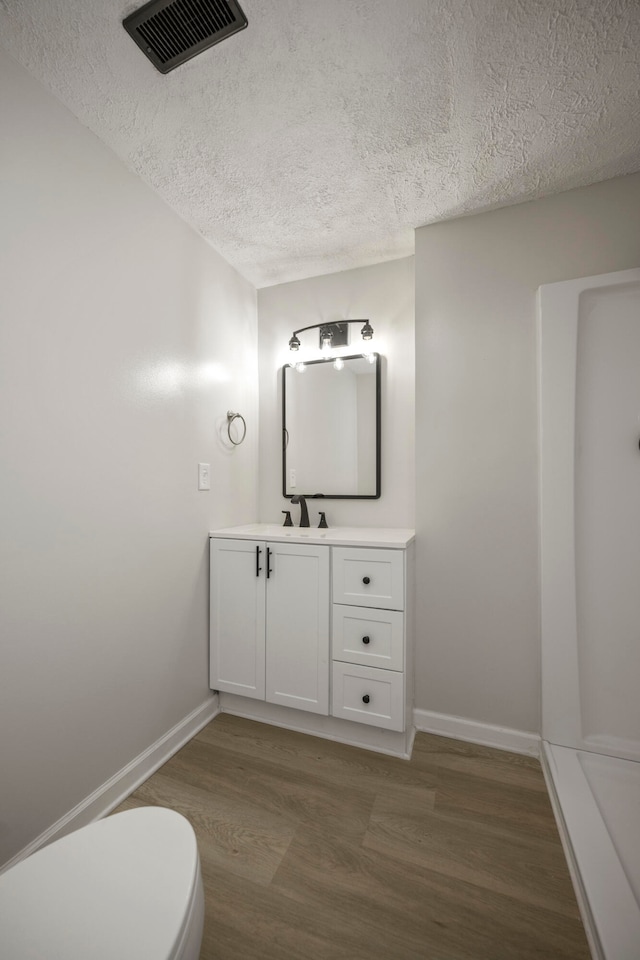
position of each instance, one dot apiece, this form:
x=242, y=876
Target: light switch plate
x=204, y=476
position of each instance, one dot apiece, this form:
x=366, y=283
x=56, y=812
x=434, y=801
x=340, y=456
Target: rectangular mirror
x=331, y=429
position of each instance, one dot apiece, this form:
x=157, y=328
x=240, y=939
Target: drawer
x=368, y=695
x=373, y=638
x=368, y=578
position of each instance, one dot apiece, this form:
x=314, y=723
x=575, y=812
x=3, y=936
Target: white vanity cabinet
x=269, y=622
x=369, y=637
x=311, y=629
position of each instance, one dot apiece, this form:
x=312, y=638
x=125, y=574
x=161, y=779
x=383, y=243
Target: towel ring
x=230, y=418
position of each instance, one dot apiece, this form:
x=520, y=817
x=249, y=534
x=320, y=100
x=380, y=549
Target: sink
x=270, y=530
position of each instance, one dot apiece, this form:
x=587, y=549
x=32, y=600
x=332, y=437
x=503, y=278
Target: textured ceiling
x=319, y=137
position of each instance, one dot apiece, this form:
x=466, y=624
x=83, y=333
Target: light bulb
x=326, y=339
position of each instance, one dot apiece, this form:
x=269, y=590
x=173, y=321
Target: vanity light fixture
x=331, y=334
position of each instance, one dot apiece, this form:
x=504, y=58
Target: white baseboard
x=485, y=734
x=118, y=787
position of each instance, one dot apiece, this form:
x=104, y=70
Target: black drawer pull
x=366, y=698
x=366, y=640
x=366, y=580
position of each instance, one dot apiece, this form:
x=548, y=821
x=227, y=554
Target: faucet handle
x=288, y=522
x=323, y=520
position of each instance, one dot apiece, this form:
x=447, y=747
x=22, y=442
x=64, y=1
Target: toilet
x=124, y=888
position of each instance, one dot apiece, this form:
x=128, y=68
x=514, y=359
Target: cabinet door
x=298, y=626
x=237, y=617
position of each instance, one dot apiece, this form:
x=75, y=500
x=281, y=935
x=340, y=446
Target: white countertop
x=390, y=537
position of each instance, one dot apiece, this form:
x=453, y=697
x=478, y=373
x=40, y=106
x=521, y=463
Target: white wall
x=476, y=437
x=124, y=340
x=383, y=293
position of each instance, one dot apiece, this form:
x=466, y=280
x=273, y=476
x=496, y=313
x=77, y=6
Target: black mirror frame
x=285, y=436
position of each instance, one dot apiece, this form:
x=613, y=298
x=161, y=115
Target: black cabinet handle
x=258, y=567
x=269, y=570
x=366, y=640
x=366, y=698
x=366, y=580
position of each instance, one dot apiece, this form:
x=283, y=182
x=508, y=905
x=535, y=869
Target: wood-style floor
x=312, y=850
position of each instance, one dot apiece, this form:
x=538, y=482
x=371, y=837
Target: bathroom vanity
x=313, y=629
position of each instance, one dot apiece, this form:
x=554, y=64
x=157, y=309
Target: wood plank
x=431, y=753
x=532, y=871
x=235, y=834
x=280, y=789
x=510, y=807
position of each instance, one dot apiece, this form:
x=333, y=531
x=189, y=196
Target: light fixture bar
x=326, y=332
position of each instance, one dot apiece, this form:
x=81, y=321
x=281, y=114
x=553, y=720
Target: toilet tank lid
x=121, y=887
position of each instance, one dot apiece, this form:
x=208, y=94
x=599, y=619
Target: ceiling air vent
x=172, y=31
